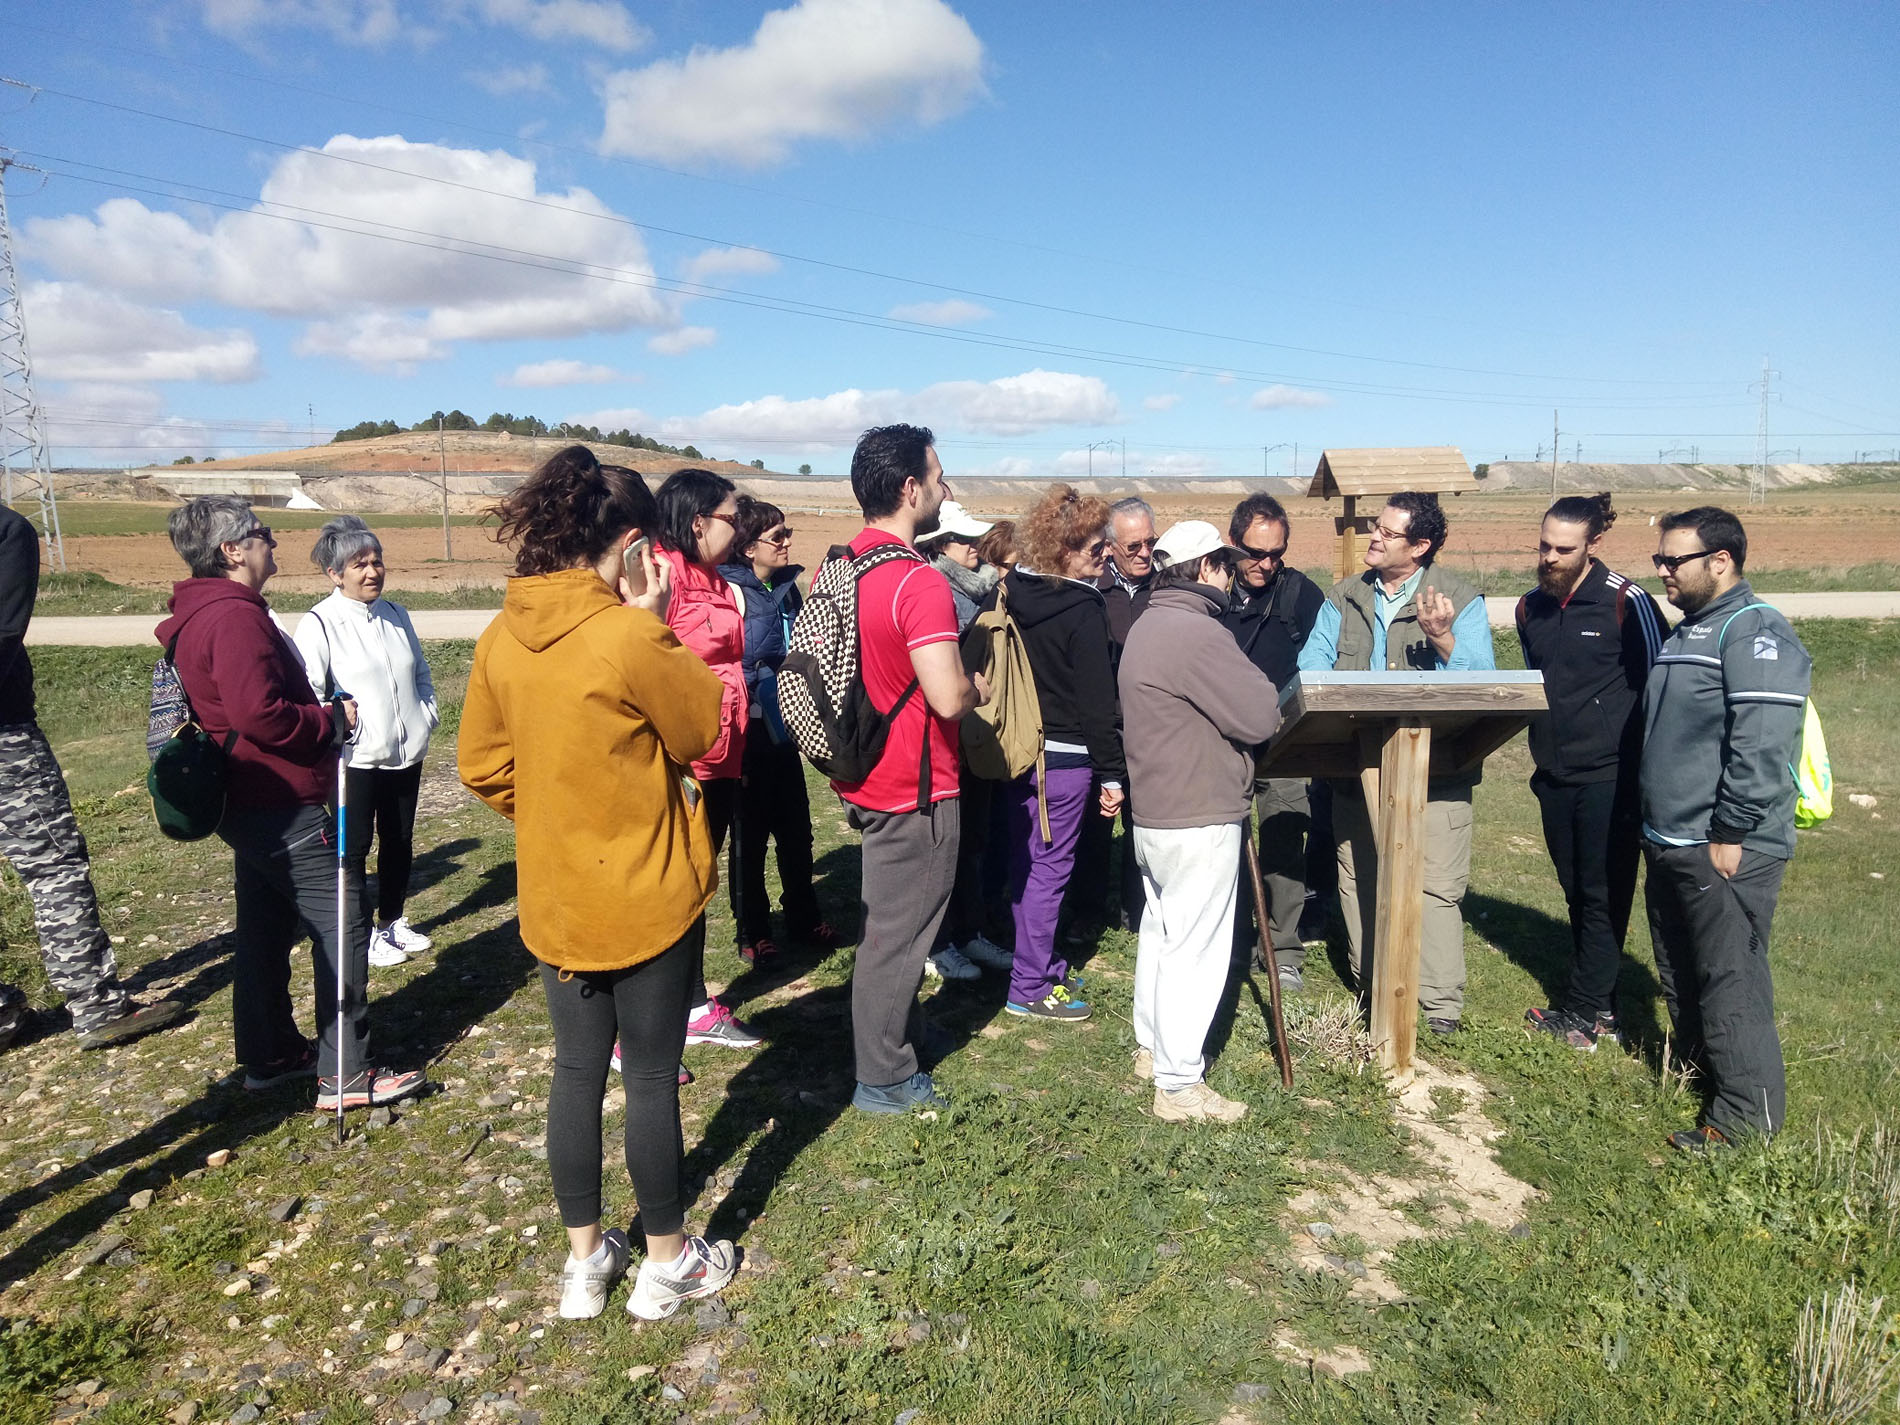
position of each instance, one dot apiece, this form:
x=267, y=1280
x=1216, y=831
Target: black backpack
x=187, y=775
x=821, y=690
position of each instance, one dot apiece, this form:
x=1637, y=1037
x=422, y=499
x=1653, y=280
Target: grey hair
x=203, y=525
x=1133, y=505
x=340, y=541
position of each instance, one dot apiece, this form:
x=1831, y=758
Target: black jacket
x=19, y=586
x=1124, y=607
x=1271, y=624
x=1065, y=633
x=1595, y=650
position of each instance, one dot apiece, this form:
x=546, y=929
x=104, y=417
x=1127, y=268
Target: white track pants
x=1187, y=935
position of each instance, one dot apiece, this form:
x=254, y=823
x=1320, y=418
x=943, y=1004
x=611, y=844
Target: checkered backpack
x=821, y=689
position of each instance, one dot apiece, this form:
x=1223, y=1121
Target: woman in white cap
x=357, y=642
x=1193, y=705
x=952, y=552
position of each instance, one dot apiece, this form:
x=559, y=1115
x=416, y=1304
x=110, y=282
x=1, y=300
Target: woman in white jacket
x=359, y=643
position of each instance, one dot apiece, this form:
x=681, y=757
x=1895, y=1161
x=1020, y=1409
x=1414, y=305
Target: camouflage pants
x=41, y=837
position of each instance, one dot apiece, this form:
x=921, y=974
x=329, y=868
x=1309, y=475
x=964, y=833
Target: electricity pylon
x=23, y=455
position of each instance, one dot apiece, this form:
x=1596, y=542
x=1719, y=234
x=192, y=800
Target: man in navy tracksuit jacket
x=1723, y=715
x=1593, y=634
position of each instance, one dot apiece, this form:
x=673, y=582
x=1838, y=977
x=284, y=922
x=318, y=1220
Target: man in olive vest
x=1404, y=615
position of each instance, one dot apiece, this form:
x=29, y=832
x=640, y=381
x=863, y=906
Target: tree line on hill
x=517, y=425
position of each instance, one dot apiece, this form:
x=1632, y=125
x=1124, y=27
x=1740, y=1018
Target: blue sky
x=1206, y=233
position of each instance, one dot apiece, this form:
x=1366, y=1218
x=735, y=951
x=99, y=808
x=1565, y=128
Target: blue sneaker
x=917, y=1091
x=1057, y=1004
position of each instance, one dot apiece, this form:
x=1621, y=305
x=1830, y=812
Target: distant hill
x=468, y=452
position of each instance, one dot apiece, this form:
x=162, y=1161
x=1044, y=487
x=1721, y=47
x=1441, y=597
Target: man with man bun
x=1593, y=634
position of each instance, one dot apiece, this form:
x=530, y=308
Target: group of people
x=624, y=711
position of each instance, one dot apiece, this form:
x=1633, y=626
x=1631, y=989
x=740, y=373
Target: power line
x=463, y=247
x=638, y=226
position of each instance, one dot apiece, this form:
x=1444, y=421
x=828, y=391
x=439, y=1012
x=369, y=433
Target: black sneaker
x=1443, y=1028
x=297, y=1066
x=14, y=1014
x=1603, y=1029
x=1699, y=1140
x=138, y=1019
x=1572, y=1029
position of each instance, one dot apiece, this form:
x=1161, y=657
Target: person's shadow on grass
x=1540, y=944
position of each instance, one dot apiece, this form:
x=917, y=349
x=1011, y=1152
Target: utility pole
x=442, y=467
x=22, y=422
x=1553, y=455
x=1758, y=478
x=311, y=409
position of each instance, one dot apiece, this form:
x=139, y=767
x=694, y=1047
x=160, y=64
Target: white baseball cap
x=953, y=519
x=1188, y=541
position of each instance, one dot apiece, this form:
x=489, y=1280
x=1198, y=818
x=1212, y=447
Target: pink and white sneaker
x=717, y=1026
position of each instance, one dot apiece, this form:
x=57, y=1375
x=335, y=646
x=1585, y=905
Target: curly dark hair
x=1427, y=520
x=570, y=512
x=1063, y=521
x=753, y=520
x=1258, y=506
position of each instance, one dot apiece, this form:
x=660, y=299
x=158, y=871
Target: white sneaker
x=405, y=937
x=584, y=1285
x=385, y=952
x=949, y=964
x=983, y=951
x=1196, y=1101
x=702, y=1269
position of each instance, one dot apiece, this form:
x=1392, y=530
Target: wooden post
x=1348, y=563
x=1401, y=899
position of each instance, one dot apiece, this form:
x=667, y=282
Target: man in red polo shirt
x=906, y=809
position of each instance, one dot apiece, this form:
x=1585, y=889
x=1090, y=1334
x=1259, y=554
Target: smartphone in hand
x=633, y=565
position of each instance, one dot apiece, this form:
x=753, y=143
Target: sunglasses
x=1261, y=556
x=1670, y=563
x=1098, y=548
x=256, y=531
x=1136, y=546
x=781, y=535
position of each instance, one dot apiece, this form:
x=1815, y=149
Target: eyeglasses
x=1097, y=549
x=722, y=516
x=1398, y=534
x=1261, y=556
x=1136, y=546
x=781, y=535
x=256, y=531
x=1670, y=563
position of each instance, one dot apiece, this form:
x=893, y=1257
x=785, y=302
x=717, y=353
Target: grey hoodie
x=1193, y=707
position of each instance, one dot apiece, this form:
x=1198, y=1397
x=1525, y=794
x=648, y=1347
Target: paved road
x=122, y=630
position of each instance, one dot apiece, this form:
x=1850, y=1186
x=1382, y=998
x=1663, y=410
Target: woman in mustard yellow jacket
x=583, y=715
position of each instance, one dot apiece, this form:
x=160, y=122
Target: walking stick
x=1261, y=921
x=342, y=894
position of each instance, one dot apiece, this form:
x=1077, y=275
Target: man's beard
x=1692, y=601
x=1555, y=582
x=927, y=524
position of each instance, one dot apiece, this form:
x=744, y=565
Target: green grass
x=88, y=593
x=1045, y=1251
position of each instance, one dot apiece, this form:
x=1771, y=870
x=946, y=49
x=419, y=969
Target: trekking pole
x=1262, y=922
x=342, y=891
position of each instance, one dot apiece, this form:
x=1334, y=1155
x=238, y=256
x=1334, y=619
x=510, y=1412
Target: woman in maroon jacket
x=243, y=675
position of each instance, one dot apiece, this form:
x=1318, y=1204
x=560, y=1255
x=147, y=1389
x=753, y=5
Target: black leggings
x=384, y=803
x=645, y=1007
x=722, y=809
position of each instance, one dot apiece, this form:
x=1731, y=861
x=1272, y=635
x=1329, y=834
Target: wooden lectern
x=1393, y=731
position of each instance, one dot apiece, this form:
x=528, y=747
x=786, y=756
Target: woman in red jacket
x=697, y=510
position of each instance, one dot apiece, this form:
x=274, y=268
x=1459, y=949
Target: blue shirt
x=1470, y=632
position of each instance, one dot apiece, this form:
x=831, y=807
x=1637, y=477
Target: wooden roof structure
x=1440, y=469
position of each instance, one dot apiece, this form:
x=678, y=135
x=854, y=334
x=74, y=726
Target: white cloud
x=380, y=303
x=516, y=79
x=82, y=334
x=1177, y=464
x=1166, y=401
x=359, y=22
x=559, y=373
x=681, y=340
x=1281, y=398
x=1012, y=405
x=954, y=313
x=606, y=24
x=820, y=69
x=728, y=262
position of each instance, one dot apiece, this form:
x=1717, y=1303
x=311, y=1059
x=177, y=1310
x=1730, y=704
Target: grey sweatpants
x=41, y=837
x=1711, y=937
x=910, y=864
x=1281, y=805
